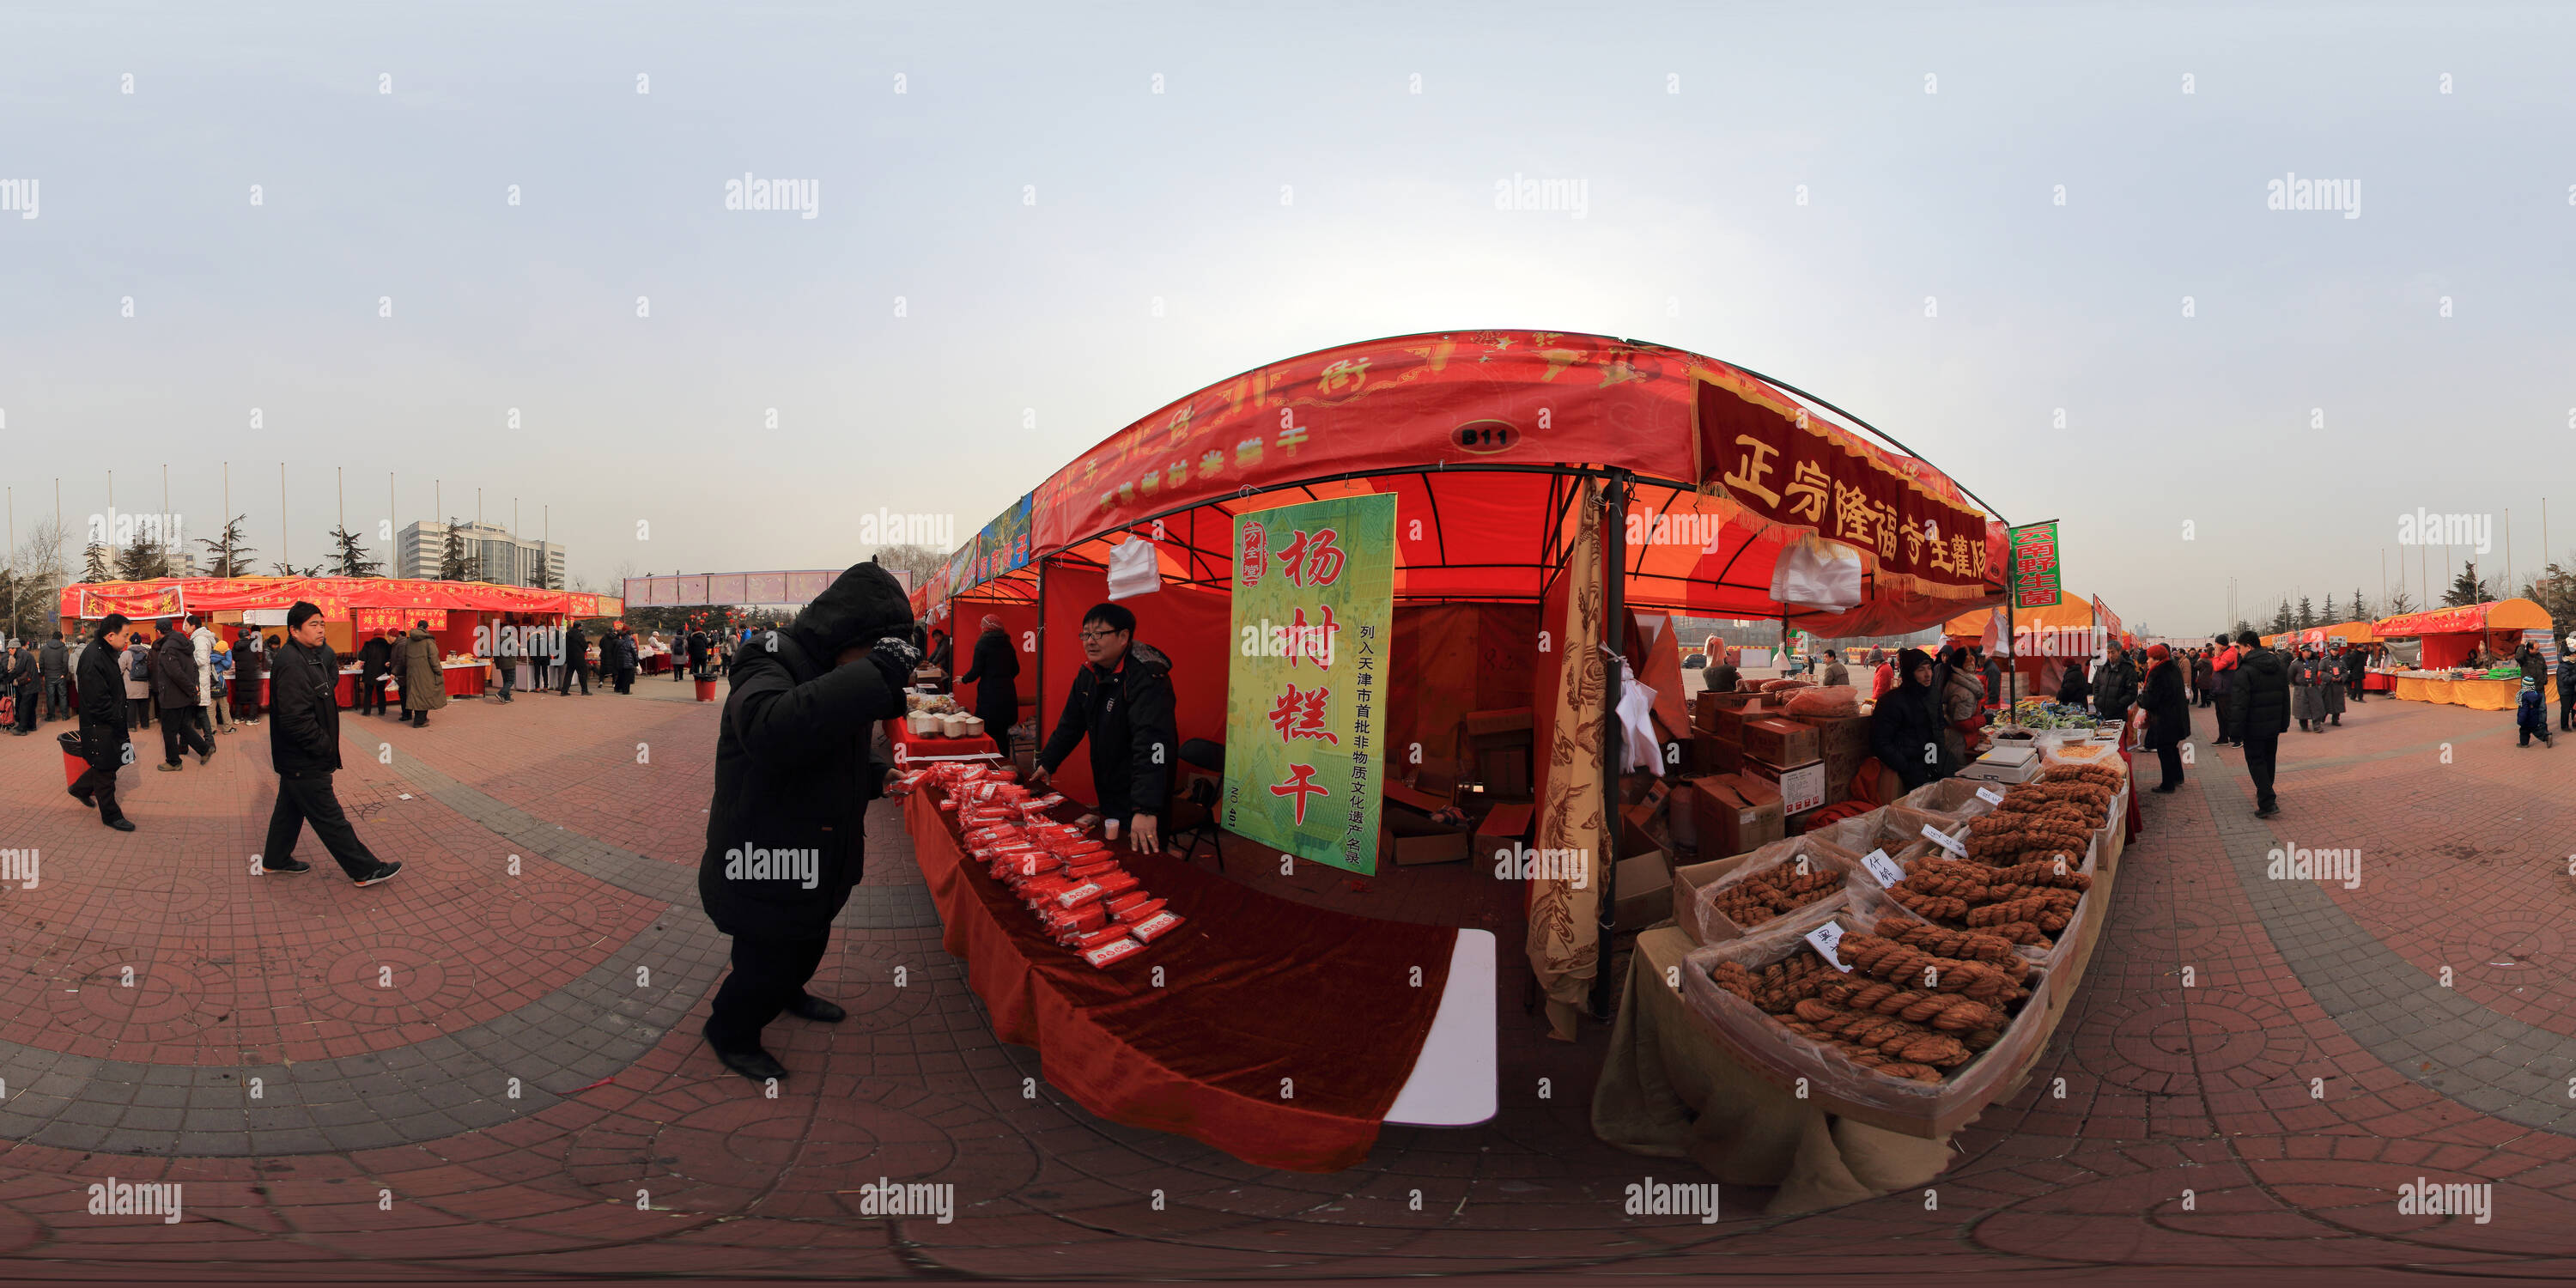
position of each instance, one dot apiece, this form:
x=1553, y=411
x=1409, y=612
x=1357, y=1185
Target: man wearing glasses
x=1123, y=702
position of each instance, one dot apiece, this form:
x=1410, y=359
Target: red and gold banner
x=2440, y=621
x=2106, y=619
x=336, y=596
x=369, y=621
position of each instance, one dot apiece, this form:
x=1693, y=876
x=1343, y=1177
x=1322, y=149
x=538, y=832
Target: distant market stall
x=2043, y=640
x=461, y=614
x=2450, y=637
x=1453, y=535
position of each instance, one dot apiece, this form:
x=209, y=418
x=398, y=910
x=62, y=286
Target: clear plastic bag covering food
x=1832, y=863
x=1828, y=700
x=1875, y=830
x=1870, y=903
x=1954, y=798
x=1757, y=1039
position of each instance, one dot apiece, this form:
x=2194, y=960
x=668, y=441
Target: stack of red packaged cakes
x=1070, y=881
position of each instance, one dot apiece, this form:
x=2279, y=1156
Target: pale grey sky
x=1691, y=235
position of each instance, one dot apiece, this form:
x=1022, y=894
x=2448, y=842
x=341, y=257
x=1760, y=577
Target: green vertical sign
x=1314, y=606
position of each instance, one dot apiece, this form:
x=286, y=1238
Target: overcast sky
x=1692, y=235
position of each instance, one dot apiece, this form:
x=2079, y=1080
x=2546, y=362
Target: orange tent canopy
x=2496, y=615
x=2070, y=612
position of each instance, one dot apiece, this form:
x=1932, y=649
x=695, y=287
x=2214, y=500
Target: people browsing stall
x=375, y=661
x=2168, y=715
x=1905, y=733
x=506, y=656
x=1962, y=701
x=2259, y=713
x=2115, y=687
x=53, y=662
x=135, y=665
x=103, y=720
x=995, y=674
x=793, y=778
x=1122, y=701
x=2073, y=689
x=174, y=690
x=418, y=671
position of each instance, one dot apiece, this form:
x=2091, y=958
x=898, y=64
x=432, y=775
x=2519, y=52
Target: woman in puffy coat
x=2168, y=715
x=1961, y=701
x=1904, y=730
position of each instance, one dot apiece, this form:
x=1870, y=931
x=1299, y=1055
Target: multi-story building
x=500, y=558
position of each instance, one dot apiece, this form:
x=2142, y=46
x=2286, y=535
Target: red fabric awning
x=2496, y=615
x=1475, y=433
x=336, y=596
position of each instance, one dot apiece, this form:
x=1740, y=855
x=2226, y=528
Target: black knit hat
x=863, y=605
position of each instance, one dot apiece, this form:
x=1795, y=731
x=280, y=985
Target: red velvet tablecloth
x=2374, y=682
x=1276, y=1032
x=905, y=744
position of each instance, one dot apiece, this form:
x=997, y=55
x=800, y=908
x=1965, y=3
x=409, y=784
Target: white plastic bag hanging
x=1134, y=569
x=1637, y=746
x=1818, y=575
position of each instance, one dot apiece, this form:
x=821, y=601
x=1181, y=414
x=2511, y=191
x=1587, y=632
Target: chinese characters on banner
x=2034, y=566
x=1792, y=473
x=371, y=621
x=1314, y=606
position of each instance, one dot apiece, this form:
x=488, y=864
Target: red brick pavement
x=2168, y=1087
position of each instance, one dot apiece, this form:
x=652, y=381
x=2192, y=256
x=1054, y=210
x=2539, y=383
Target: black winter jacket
x=375, y=657
x=1905, y=735
x=785, y=834
x=995, y=673
x=2258, y=700
x=1128, y=716
x=174, y=673
x=2115, y=689
x=103, y=712
x=2168, y=715
x=304, y=711
x=2075, y=690
x=53, y=659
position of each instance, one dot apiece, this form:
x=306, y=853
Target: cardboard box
x=1708, y=702
x=1442, y=846
x=1502, y=826
x=1781, y=742
x=1495, y=747
x=1716, y=755
x=1733, y=816
x=1642, y=830
x=1844, y=741
x=1642, y=888
x=1730, y=721
x=1687, y=879
x=1800, y=787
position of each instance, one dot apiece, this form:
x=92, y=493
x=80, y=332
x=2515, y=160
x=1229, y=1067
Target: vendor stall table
x=1280, y=1033
x=464, y=680
x=908, y=746
x=656, y=664
x=2378, y=682
x=2478, y=694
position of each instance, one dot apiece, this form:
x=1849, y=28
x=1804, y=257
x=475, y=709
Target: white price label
x=1942, y=839
x=1826, y=938
x=1990, y=796
x=1882, y=867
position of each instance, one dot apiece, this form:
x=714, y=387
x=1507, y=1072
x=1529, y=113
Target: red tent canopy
x=336, y=595
x=1483, y=437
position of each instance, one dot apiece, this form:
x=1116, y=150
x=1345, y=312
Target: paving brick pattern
x=2254, y=1118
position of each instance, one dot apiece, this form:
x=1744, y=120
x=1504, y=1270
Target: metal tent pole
x=1614, y=536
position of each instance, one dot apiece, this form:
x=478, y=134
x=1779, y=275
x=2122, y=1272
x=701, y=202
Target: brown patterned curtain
x=1564, y=922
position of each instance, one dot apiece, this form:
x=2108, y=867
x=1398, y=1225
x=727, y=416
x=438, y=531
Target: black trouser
x=625, y=678
x=98, y=783
x=2260, y=748
x=26, y=714
x=573, y=671
x=539, y=665
x=2169, y=758
x=179, y=732
x=767, y=975
x=58, y=699
x=142, y=709
x=371, y=695
x=309, y=799
x=2567, y=709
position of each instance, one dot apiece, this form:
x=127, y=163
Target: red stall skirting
x=1254, y=990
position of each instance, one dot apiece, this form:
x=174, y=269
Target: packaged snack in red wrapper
x=1080, y=921
x=1096, y=938
x=1158, y=924
x=1076, y=896
x=949, y=804
x=1086, y=871
x=1112, y=951
x=1138, y=910
x=1125, y=901
x=1117, y=883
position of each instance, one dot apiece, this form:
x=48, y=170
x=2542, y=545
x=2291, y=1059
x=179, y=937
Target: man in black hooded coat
x=1905, y=728
x=793, y=782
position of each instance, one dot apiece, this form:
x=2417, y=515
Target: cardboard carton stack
x=1788, y=756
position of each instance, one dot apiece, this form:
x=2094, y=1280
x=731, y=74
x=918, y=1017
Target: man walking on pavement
x=24, y=672
x=569, y=660
x=304, y=748
x=102, y=721
x=174, y=688
x=56, y=664
x=2259, y=706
